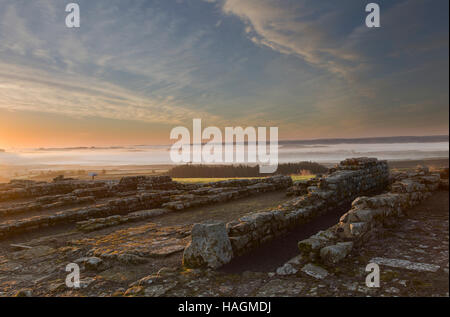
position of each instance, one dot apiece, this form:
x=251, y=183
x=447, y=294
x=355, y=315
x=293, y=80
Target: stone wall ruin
x=350, y=179
x=111, y=203
x=368, y=215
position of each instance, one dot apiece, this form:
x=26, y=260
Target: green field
x=301, y=177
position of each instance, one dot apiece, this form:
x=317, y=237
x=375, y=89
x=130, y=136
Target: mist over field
x=322, y=151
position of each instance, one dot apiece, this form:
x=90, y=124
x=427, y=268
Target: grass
x=301, y=177
x=209, y=180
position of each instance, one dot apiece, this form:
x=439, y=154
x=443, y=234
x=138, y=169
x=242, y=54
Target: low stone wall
x=180, y=197
x=116, y=206
x=350, y=179
x=368, y=216
x=328, y=193
x=21, y=189
x=200, y=195
x=101, y=223
x=217, y=192
x=84, y=193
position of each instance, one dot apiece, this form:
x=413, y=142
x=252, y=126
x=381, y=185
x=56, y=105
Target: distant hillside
x=392, y=139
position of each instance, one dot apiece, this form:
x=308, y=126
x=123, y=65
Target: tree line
x=228, y=171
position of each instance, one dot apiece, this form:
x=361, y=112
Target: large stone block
x=333, y=254
x=210, y=246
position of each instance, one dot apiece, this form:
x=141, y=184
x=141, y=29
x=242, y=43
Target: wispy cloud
x=310, y=67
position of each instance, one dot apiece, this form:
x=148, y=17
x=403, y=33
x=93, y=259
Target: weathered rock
x=314, y=243
x=333, y=254
x=287, y=269
x=24, y=293
x=86, y=282
x=210, y=246
x=407, y=265
x=358, y=228
x=369, y=217
x=135, y=291
x=352, y=178
x=315, y=271
x=92, y=263
x=159, y=290
x=127, y=258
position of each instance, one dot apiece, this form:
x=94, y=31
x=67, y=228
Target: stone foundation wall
x=217, y=192
x=348, y=180
x=200, y=195
x=142, y=194
x=28, y=189
x=368, y=215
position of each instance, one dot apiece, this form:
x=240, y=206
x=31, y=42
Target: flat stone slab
x=33, y=253
x=405, y=264
x=315, y=271
x=167, y=250
x=291, y=266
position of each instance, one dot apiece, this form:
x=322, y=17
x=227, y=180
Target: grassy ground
x=301, y=177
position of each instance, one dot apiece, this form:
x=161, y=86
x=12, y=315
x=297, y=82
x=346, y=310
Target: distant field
x=301, y=177
x=431, y=163
x=209, y=180
x=47, y=173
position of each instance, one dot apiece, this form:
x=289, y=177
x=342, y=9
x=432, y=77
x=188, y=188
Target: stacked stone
x=130, y=183
x=180, y=200
x=80, y=192
x=350, y=179
x=136, y=200
x=143, y=201
x=444, y=179
x=300, y=188
x=76, y=197
x=235, y=183
x=367, y=217
x=101, y=223
x=34, y=189
x=97, y=192
x=46, y=203
x=357, y=163
x=213, y=194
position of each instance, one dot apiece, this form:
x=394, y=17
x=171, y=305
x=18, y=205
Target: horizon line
x=383, y=139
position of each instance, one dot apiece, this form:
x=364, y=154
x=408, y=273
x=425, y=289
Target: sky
x=136, y=69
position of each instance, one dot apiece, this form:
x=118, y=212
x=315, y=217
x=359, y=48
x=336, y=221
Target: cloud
x=298, y=64
x=25, y=89
x=368, y=64
x=132, y=67
x=299, y=28
x=333, y=35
